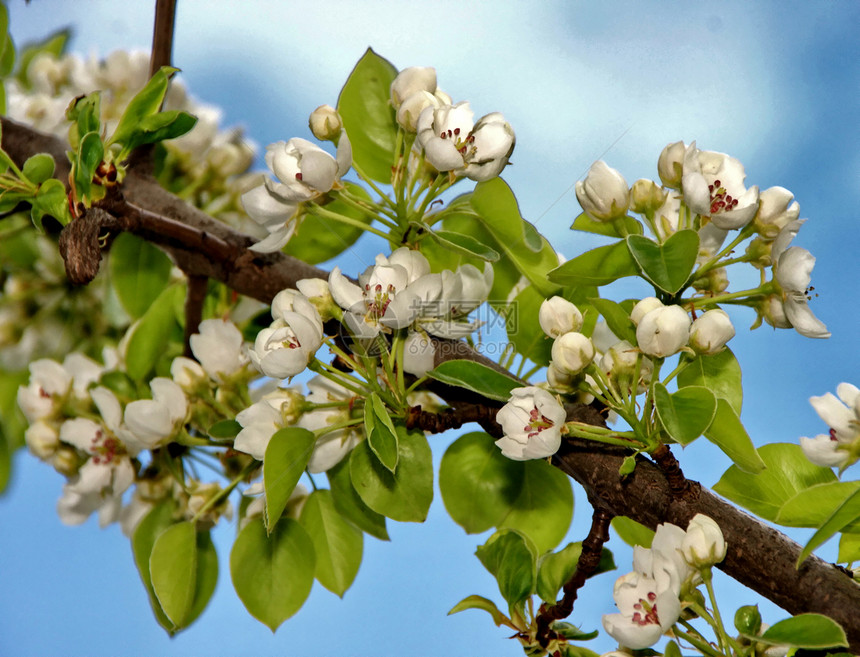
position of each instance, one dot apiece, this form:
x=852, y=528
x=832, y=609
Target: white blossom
x=558, y=316
x=219, y=348
x=841, y=412
x=532, y=421
x=572, y=352
x=331, y=446
x=603, y=194
x=710, y=332
x=663, y=331
x=703, y=545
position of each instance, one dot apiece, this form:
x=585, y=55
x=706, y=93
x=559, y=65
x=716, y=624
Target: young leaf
x=632, y=532
x=475, y=377
x=811, y=631
x=586, y=224
x=368, y=115
x=849, y=548
x=145, y=103
x=273, y=574
x=465, y=244
x=350, y=505
x=139, y=272
x=286, y=458
x=159, y=127
x=337, y=544
x=844, y=515
x=555, y=570
x=381, y=435
x=145, y=534
x=224, y=429
x=404, y=495
x=544, y=507
x=617, y=318
x=150, y=335
x=812, y=506
x=788, y=472
x=207, y=576
x=50, y=200
x=720, y=373
x=319, y=238
x=728, y=433
x=38, y=168
x=90, y=154
x=173, y=567
x=666, y=265
x=596, y=267
x=478, y=484
x=478, y=602
x=511, y=558
x=686, y=414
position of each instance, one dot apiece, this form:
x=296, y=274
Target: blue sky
x=774, y=84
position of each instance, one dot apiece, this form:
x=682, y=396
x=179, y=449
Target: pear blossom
x=644, y=307
x=50, y=384
x=710, y=332
x=603, y=194
x=646, y=196
x=453, y=142
x=304, y=170
x=325, y=123
x=703, y=545
x=277, y=216
x=532, y=421
x=775, y=212
x=381, y=299
x=446, y=299
x=713, y=186
x=331, y=446
x=410, y=81
x=663, y=331
x=219, y=348
x=670, y=164
x=792, y=269
x=841, y=412
x=150, y=422
x=288, y=345
x=419, y=355
x=42, y=439
x=620, y=363
x=558, y=316
x=646, y=611
x=261, y=420
x=572, y=352
x=187, y=373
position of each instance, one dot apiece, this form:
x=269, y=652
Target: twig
x=667, y=462
x=450, y=418
x=194, y=299
x=162, y=35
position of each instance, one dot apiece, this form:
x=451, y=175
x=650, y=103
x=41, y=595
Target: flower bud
x=559, y=380
x=775, y=212
x=411, y=108
x=643, y=308
x=411, y=80
x=572, y=352
x=603, y=194
x=704, y=545
x=619, y=364
x=663, y=331
x=759, y=253
x=748, y=620
x=42, y=439
x=558, y=316
x=646, y=196
x=66, y=461
x=318, y=293
x=670, y=164
x=325, y=123
x=714, y=281
x=710, y=332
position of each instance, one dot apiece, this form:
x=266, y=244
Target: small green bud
x=748, y=620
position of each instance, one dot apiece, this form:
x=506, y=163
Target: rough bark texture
x=759, y=556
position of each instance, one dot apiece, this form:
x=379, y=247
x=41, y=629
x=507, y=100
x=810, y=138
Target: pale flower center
x=378, y=300
x=646, y=611
x=537, y=422
x=104, y=448
x=721, y=200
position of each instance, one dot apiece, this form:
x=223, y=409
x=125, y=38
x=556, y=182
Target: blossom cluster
x=650, y=599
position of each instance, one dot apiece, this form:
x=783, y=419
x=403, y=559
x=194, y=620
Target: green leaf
x=319, y=238
x=544, y=507
x=5, y=460
x=478, y=484
x=50, y=200
x=337, y=544
x=728, y=433
x=572, y=633
x=224, y=429
x=142, y=541
x=12, y=420
x=139, y=272
x=788, y=472
x=632, y=532
x=497, y=208
x=369, y=117
x=586, y=224
x=555, y=570
x=350, y=505
x=381, y=435
x=465, y=244
x=667, y=265
x=159, y=127
x=404, y=495
x=523, y=329
x=206, y=578
x=85, y=114
x=596, y=267
x=844, y=515
x=145, y=103
x=617, y=318
x=686, y=414
x=849, y=548
x=809, y=631
x=813, y=506
x=38, y=168
x=273, y=575
x=285, y=460
x=90, y=154
x=173, y=567
x=478, y=602
x=475, y=377
x=511, y=558
x=720, y=373
x=150, y=336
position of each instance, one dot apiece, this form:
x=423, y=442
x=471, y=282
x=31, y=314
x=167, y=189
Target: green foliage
x=479, y=602
x=380, y=432
x=139, y=272
x=465, y=244
x=812, y=631
x=524, y=330
x=337, y=543
x=555, y=569
x=632, y=532
x=667, y=265
x=148, y=530
x=350, y=505
x=685, y=414
x=273, y=573
x=512, y=559
x=150, y=336
x=368, y=116
x=617, y=318
x=478, y=484
x=476, y=377
x=586, y=224
x=599, y=266
x=812, y=506
x=50, y=200
x=846, y=513
x=787, y=472
x=286, y=458
x=720, y=373
x=728, y=433
x=404, y=495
